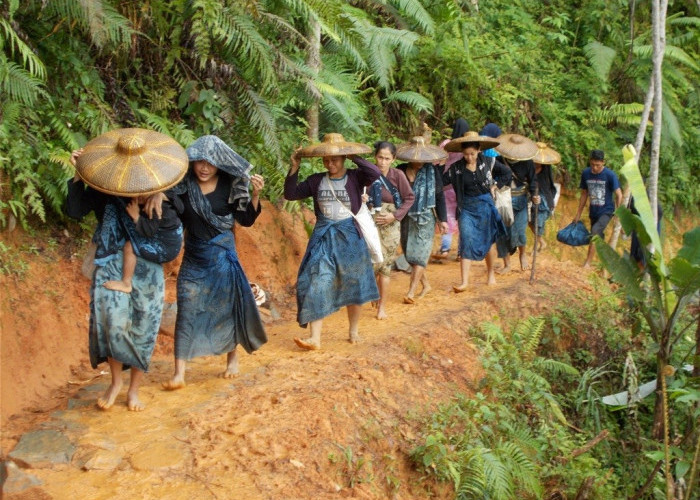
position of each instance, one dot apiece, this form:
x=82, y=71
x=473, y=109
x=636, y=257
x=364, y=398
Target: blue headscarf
x=490, y=130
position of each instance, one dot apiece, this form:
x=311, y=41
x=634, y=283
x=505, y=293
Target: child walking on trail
x=157, y=240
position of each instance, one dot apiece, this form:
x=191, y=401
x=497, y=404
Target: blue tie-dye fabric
x=216, y=307
x=479, y=226
x=124, y=326
x=336, y=271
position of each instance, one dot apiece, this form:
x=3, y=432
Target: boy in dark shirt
x=598, y=183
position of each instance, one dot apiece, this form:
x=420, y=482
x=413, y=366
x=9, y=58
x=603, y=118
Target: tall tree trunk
x=658, y=44
x=313, y=61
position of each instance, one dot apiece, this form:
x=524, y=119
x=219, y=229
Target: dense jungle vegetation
x=268, y=75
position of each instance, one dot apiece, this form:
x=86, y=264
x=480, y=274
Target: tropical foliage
x=571, y=74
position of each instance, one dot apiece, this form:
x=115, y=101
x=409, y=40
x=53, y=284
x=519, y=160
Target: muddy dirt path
x=340, y=422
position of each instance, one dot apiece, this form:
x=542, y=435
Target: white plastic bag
x=504, y=205
x=370, y=233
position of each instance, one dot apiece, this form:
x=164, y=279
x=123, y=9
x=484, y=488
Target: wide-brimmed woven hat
x=132, y=162
x=455, y=145
x=516, y=147
x=546, y=155
x=334, y=145
x=416, y=150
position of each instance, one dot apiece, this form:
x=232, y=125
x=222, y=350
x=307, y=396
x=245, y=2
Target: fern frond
x=414, y=10
x=29, y=59
x=600, y=58
x=19, y=84
x=498, y=480
x=530, y=331
x=415, y=100
x=625, y=114
x=554, y=367
x=104, y=24
x=671, y=52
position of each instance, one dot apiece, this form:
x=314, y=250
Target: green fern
x=601, y=58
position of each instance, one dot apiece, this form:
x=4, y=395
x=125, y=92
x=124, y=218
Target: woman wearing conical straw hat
x=517, y=152
x=544, y=159
x=336, y=270
x=479, y=221
x=418, y=227
x=119, y=167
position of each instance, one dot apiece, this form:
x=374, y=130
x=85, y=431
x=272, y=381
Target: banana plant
x=671, y=283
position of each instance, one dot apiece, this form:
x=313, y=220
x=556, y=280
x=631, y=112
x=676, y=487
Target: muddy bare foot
x=118, y=286
x=523, y=263
x=460, y=288
x=173, y=384
x=381, y=313
x=110, y=395
x=354, y=338
x=231, y=371
x=492, y=279
x=504, y=270
x=542, y=245
x=134, y=403
x=425, y=291
x=308, y=344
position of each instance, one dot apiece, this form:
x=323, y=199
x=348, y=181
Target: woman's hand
x=73, y=161
x=133, y=209
x=536, y=200
x=444, y=228
x=295, y=160
x=258, y=183
x=384, y=219
x=154, y=203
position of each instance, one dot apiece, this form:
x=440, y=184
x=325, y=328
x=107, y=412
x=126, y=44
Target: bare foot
x=354, y=338
x=504, y=270
x=523, y=263
x=492, y=279
x=307, y=344
x=173, y=384
x=542, y=245
x=409, y=300
x=118, y=286
x=460, y=288
x=230, y=371
x=586, y=265
x=110, y=395
x=381, y=313
x=425, y=291
x=134, y=403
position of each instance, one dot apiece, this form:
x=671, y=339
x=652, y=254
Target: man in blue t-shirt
x=599, y=184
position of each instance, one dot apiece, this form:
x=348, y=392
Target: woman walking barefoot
x=216, y=308
x=479, y=221
x=336, y=270
x=391, y=197
x=418, y=227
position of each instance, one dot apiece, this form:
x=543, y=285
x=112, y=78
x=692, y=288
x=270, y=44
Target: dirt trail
x=339, y=422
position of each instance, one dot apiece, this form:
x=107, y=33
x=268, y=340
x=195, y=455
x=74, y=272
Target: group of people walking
x=446, y=189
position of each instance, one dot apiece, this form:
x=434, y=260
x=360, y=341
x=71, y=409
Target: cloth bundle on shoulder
x=504, y=204
x=575, y=234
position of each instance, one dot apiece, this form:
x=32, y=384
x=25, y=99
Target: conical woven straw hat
x=334, y=145
x=418, y=151
x=132, y=162
x=516, y=147
x=546, y=155
x=455, y=145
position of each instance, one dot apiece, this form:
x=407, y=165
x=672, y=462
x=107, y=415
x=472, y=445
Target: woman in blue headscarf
x=216, y=308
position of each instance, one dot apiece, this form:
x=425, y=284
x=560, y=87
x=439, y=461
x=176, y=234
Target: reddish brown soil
x=337, y=422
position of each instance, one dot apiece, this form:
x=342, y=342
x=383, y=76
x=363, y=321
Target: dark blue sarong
x=515, y=234
x=479, y=226
x=336, y=271
x=124, y=326
x=216, y=308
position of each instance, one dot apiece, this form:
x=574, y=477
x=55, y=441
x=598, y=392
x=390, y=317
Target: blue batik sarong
x=336, y=271
x=479, y=226
x=124, y=326
x=216, y=308
x=543, y=214
x=515, y=234
x=417, y=232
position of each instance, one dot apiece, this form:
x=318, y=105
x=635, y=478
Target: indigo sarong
x=515, y=234
x=216, y=308
x=479, y=226
x=124, y=326
x=336, y=271
x=417, y=232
